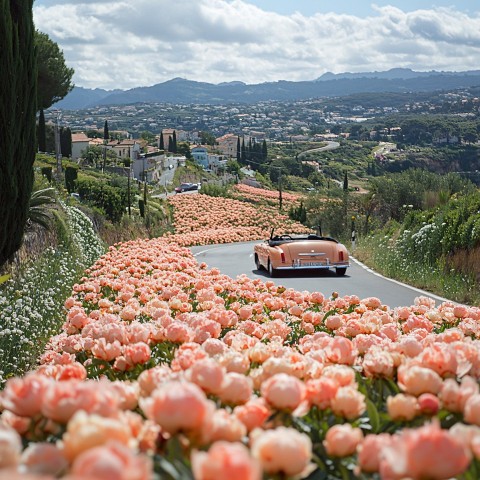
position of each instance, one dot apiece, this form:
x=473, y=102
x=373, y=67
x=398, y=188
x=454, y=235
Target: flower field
x=253, y=194
x=166, y=369
x=202, y=220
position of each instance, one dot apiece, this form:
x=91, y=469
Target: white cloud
x=118, y=44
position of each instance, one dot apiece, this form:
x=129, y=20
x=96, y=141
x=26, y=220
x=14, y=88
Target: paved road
x=329, y=146
x=237, y=258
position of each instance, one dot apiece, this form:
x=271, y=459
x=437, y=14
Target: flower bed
x=167, y=368
x=254, y=194
x=202, y=219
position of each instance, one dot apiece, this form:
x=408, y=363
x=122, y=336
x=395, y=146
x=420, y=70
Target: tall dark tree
x=54, y=77
x=106, y=135
x=264, y=151
x=66, y=141
x=161, y=145
x=244, y=152
x=239, y=154
x=170, y=143
x=42, y=134
x=345, y=181
x=174, y=142
x=18, y=93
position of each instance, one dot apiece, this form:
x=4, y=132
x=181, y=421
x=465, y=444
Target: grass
x=380, y=252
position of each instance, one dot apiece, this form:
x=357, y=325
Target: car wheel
x=340, y=271
x=271, y=271
x=257, y=262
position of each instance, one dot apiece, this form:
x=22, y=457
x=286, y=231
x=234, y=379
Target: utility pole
x=280, y=189
x=128, y=187
x=58, y=148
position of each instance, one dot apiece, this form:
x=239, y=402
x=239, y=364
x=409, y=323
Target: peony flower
x=10, y=447
x=252, y=414
x=348, y=402
x=86, y=431
x=370, y=452
x=43, y=458
x=427, y=452
x=402, y=407
x=417, y=380
x=112, y=461
x=207, y=374
x=342, y=440
x=225, y=460
x=283, y=391
x=24, y=396
x=177, y=406
x=236, y=389
x=283, y=450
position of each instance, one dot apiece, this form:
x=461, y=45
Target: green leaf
x=373, y=415
x=4, y=278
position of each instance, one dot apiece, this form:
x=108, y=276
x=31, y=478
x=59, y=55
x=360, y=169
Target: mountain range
x=180, y=90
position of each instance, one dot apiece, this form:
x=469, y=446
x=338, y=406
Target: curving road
x=330, y=146
x=237, y=258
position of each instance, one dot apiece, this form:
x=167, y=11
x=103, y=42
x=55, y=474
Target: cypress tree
x=174, y=142
x=170, y=144
x=18, y=93
x=71, y=174
x=42, y=134
x=161, y=145
x=345, y=181
x=66, y=141
x=105, y=131
x=244, y=154
x=264, y=151
x=239, y=155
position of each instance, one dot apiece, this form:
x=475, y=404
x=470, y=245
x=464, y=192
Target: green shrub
x=71, y=174
x=103, y=196
x=47, y=173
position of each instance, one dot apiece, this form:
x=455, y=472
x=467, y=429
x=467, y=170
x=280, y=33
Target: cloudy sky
x=125, y=44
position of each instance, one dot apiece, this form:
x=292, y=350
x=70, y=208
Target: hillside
x=179, y=90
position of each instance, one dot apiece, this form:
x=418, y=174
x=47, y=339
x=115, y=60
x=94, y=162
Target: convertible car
x=301, y=252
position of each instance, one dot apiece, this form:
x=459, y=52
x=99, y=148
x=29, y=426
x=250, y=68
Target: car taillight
x=282, y=256
x=340, y=256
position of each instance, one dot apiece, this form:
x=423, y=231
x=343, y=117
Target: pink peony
x=10, y=447
x=225, y=460
x=417, y=380
x=348, y=402
x=177, y=406
x=23, y=396
x=427, y=452
x=370, y=452
x=283, y=450
x=321, y=391
x=252, y=414
x=113, y=461
x=402, y=407
x=43, y=458
x=342, y=440
x=86, y=431
x=236, y=389
x=283, y=391
x=207, y=374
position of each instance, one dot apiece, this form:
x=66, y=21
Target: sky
x=119, y=44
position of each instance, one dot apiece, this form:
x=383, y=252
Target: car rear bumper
x=324, y=266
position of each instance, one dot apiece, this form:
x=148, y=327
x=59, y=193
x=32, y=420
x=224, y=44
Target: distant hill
x=180, y=90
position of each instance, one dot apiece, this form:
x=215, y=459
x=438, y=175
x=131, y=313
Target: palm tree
x=40, y=205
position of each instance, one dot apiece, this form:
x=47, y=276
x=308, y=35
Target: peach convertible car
x=301, y=252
